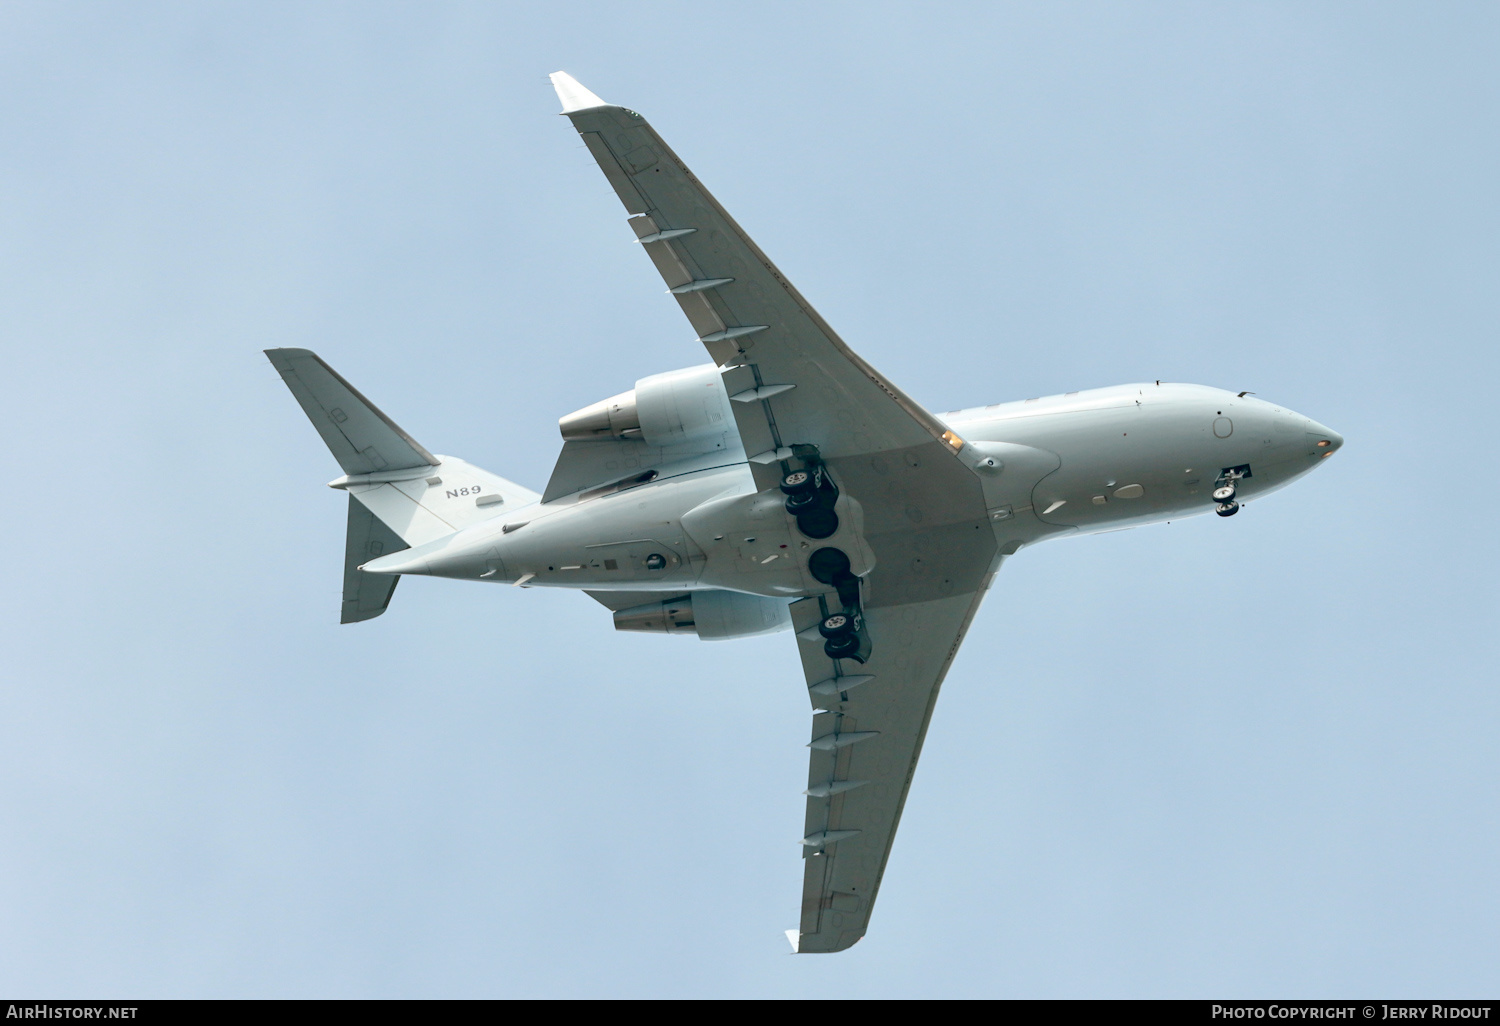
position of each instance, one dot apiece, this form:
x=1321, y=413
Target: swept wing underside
x=795, y=383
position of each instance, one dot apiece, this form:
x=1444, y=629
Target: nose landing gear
x=1226, y=487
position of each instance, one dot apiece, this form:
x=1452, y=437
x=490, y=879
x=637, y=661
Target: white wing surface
x=786, y=368
x=795, y=383
x=867, y=732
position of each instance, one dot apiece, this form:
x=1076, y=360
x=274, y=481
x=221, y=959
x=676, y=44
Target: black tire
x=820, y=498
x=818, y=523
x=828, y=565
x=841, y=648
x=1224, y=494
x=836, y=626
x=1228, y=509
x=799, y=482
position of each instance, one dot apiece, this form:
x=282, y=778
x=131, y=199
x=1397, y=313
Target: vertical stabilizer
x=366, y=595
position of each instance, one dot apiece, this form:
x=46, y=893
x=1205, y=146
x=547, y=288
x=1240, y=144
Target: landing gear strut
x=1224, y=493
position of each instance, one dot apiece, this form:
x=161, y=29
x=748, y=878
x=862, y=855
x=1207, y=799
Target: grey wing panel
x=754, y=323
x=866, y=739
x=596, y=467
x=361, y=438
x=366, y=595
x=586, y=464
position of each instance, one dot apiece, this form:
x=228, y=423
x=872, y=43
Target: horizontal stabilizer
x=361, y=438
x=366, y=595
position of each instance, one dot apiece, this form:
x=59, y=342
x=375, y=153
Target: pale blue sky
x=1222, y=757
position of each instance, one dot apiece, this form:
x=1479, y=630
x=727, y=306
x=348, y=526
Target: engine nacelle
x=674, y=409
x=614, y=417
x=712, y=615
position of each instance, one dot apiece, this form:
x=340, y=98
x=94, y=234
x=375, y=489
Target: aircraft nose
x=1324, y=441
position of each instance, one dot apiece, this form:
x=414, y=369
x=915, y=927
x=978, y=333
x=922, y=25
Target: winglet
x=795, y=936
x=572, y=93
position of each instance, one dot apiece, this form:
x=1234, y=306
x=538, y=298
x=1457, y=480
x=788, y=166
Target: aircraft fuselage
x=1084, y=462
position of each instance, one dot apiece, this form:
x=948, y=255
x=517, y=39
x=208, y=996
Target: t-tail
x=400, y=495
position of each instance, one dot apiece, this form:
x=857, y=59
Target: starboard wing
x=794, y=381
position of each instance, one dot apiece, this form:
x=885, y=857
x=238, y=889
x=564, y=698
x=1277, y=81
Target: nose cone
x=1323, y=441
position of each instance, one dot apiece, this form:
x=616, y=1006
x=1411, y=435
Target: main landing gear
x=840, y=635
x=844, y=634
x=810, y=496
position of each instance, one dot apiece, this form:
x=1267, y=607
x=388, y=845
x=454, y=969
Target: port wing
x=868, y=726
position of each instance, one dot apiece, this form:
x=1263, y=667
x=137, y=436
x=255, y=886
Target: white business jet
x=788, y=485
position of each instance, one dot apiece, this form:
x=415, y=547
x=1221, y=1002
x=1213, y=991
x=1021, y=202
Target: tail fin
x=405, y=495
x=367, y=595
